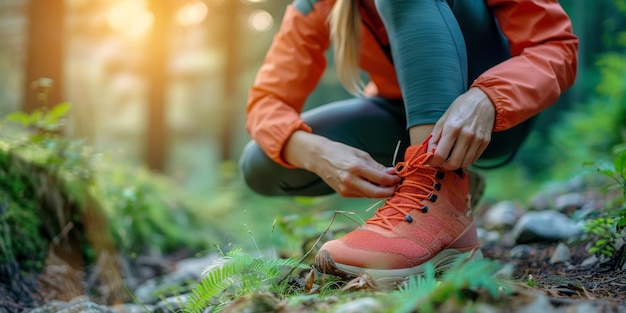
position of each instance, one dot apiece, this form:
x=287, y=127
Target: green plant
x=48, y=181
x=423, y=293
x=240, y=274
x=603, y=230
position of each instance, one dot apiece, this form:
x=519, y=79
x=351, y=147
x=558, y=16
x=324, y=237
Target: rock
x=561, y=254
x=569, y=202
x=520, y=251
x=171, y=304
x=488, y=236
x=503, y=214
x=51, y=307
x=541, y=202
x=86, y=307
x=362, y=305
x=131, y=308
x=544, y=226
x=186, y=270
x=506, y=271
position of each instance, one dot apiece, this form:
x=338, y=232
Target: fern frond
x=237, y=268
x=218, y=277
x=422, y=292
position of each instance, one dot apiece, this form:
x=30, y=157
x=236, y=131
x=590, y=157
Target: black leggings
x=433, y=68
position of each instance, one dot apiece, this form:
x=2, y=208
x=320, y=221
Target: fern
x=239, y=271
x=423, y=292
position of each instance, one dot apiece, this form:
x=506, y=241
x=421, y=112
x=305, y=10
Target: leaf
x=19, y=117
x=59, y=110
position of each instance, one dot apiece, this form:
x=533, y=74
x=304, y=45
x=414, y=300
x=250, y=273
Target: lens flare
x=260, y=20
x=192, y=14
x=131, y=18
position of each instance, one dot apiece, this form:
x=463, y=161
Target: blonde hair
x=345, y=26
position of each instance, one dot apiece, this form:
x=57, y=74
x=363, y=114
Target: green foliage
x=48, y=181
x=604, y=229
x=423, y=293
x=147, y=213
x=240, y=274
x=33, y=170
x=45, y=120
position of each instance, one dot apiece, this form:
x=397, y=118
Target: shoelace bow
x=394, y=210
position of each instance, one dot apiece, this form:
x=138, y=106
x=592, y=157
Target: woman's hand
x=349, y=171
x=462, y=134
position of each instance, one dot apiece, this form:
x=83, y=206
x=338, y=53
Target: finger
x=470, y=156
x=378, y=177
x=436, y=134
x=444, y=148
x=482, y=147
x=457, y=155
x=366, y=189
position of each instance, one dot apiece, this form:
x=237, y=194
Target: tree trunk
x=43, y=84
x=156, y=134
x=231, y=91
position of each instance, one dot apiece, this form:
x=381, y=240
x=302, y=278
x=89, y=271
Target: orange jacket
x=543, y=65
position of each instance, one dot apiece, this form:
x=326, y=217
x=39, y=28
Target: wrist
x=301, y=148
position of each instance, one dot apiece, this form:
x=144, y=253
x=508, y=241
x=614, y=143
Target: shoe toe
x=370, y=250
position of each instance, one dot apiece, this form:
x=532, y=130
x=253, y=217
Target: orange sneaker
x=428, y=218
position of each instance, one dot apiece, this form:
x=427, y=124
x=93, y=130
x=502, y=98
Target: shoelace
x=419, y=187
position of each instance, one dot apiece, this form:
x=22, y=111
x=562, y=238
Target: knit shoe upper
x=427, y=218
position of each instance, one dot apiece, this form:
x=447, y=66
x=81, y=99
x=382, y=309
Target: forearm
x=301, y=149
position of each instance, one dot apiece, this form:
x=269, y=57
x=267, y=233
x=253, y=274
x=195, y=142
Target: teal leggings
x=438, y=47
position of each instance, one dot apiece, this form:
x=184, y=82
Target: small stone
x=86, y=307
x=362, y=305
x=590, y=261
x=520, y=251
x=506, y=271
x=171, y=304
x=569, y=202
x=545, y=226
x=561, y=254
x=502, y=215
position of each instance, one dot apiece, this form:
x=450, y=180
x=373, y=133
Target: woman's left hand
x=462, y=134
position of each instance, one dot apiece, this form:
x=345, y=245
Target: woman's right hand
x=349, y=171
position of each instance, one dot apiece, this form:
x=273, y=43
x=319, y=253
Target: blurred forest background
x=157, y=91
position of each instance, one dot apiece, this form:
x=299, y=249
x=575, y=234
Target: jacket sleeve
x=543, y=65
x=291, y=70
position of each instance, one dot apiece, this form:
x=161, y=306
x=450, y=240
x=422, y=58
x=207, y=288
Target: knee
x=389, y=8
x=255, y=169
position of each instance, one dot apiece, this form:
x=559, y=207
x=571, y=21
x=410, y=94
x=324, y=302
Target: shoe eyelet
x=440, y=175
x=424, y=209
x=408, y=218
x=437, y=186
x=432, y=198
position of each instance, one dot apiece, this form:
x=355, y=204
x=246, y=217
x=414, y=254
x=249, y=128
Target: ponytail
x=345, y=26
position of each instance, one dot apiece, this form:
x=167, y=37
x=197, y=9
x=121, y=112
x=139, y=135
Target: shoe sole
x=442, y=261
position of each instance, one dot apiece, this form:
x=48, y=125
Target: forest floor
x=564, y=284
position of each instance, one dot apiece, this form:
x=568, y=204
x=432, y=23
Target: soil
x=568, y=280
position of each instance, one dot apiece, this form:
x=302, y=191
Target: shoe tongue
x=414, y=172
